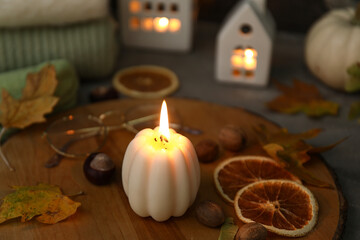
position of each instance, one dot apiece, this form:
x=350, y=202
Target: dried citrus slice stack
x=235, y=173
x=281, y=206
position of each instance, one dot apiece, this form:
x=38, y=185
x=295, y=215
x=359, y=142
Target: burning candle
x=161, y=24
x=237, y=57
x=160, y=172
x=250, y=59
x=147, y=24
x=174, y=25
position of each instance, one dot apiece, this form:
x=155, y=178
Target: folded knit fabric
x=66, y=90
x=19, y=13
x=91, y=47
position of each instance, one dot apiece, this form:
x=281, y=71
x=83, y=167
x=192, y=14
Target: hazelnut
x=99, y=168
x=210, y=214
x=251, y=231
x=103, y=93
x=232, y=138
x=207, y=150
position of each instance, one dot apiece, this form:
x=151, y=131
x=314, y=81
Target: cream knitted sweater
x=20, y=13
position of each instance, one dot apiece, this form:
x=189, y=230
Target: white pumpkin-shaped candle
x=160, y=172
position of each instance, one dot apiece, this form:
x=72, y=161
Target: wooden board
x=105, y=212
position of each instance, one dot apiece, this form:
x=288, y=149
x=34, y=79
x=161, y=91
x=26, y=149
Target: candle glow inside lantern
x=165, y=24
x=160, y=172
x=244, y=44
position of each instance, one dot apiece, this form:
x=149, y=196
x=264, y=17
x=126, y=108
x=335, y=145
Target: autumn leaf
x=302, y=97
x=291, y=151
x=37, y=100
x=353, y=84
x=43, y=200
x=228, y=229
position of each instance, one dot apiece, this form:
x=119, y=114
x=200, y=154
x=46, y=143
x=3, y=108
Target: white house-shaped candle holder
x=244, y=44
x=157, y=24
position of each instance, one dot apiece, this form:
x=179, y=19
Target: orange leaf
x=302, y=97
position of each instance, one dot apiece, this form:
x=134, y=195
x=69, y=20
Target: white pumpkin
x=160, y=179
x=333, y=46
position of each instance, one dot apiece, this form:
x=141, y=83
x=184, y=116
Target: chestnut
x=103, y=93
x=210, y=214
x=232, y=138
x=207, y=150
x=251, y=231
x=99, y=168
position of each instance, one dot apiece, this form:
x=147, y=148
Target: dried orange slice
x=146, y=81
x=281, y=206
x=233, y=174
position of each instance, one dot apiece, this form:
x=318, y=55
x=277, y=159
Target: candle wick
x=163, y=138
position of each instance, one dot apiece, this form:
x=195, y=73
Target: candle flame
x=174, y=25
x=250, y=59
x=164, y=122
x=249, y=53
x=161, y=24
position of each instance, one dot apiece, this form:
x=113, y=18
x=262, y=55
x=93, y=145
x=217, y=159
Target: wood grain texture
x=105, y=212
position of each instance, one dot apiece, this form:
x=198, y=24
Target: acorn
x=251, y=231
x=98, y=168
x=232, y=138
x=210, y=214
x=207, y=150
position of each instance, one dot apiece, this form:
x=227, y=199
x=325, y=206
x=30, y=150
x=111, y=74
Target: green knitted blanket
x=91, y=47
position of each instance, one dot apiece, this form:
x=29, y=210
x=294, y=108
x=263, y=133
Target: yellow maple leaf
x=43, y=200
x=37, y=100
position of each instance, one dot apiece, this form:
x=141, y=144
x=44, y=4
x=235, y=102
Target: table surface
x=196, y=74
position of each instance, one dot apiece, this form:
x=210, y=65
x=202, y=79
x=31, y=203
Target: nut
x=103, y=93
x=251, y=231
x=98, y=168
x=207, y=150
x=210, y=214
x=232, y=138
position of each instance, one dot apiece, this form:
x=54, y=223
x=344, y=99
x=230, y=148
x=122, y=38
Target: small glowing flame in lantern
x=161, y=24
x=250, y=59
x=164, y=122
x=236, y=61
x=237, y=57
x=249, y=53
x=134, y=6
x=134, y=23
x=147, y=24
x=175, y=25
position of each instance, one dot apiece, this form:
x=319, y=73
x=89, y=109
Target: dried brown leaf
x=291, y=151
x=302, y=97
